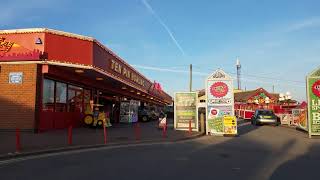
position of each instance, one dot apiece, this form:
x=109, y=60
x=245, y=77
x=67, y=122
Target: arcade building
x=48, y=78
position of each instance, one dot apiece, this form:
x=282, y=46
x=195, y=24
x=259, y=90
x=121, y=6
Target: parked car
x=264, y=116
x=149, y=114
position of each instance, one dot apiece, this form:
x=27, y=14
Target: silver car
x=264, y=116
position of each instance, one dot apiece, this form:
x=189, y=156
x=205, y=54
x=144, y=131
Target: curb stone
x=80, y=147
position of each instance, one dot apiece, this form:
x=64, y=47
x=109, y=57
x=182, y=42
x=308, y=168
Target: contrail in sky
x=147, y=5
x=203, y=74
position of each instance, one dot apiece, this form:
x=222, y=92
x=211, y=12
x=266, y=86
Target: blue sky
x=277, y=42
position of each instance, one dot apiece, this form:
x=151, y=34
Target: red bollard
x=105, y=133
x=190, y=129
x=70, y=135
x=18, y=144
x=137, y=131
x=164, y=131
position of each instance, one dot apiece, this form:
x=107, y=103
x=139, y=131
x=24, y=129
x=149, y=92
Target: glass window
x=75, y=97
x=48, y=95
x=61, y=97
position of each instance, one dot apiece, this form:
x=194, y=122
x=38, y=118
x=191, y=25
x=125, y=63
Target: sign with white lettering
x=15, y=77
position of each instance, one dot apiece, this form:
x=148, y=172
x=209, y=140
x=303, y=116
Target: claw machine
x=129, y=111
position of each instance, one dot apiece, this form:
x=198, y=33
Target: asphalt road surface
x=263, y=152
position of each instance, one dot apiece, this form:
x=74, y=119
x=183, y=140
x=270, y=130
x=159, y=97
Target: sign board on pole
x=230, y=125
x=313, y=92
x=220, y=102
x=185, y=110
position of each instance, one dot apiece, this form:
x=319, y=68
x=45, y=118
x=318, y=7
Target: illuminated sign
x=5, y=46
x=127, y=73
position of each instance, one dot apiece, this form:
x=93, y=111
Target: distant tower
x=238, y=73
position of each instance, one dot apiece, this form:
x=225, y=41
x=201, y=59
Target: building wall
x=17, y=101
x=68, y=49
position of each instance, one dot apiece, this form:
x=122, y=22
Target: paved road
x=262, y=152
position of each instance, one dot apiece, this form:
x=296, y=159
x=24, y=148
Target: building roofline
x=71, y=35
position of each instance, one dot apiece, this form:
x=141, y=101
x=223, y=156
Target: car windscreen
x=265, y=113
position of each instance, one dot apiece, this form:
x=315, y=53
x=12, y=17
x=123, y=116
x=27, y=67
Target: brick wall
x=17, y=101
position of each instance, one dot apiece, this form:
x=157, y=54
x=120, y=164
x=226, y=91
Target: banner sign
x=300, y=118
x=185, y=110
x=314, y=105
x=220, y=102
x=230, y=125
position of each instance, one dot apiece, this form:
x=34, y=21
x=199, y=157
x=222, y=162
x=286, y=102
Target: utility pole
x=190, y=78
x=272, y=88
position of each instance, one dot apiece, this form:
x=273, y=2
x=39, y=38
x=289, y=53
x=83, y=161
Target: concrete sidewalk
x=87, y=137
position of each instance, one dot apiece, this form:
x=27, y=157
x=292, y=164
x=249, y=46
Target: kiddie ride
x=97, y=117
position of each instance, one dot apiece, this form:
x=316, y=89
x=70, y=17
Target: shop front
x=53, y=79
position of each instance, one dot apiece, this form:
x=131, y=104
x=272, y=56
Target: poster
x=186, y=111
x=220, y=102
x=230, y=125
x=300, y=118
x=314, y=105
x=303, y=120
x=215, y=118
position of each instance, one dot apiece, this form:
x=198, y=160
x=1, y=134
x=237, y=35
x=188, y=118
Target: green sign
x=186, y=111
x=314, y=105
x=216, y=124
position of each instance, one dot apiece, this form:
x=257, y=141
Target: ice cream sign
x=313, y=92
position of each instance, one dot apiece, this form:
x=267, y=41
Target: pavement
x=118, y=134
x=259, y=152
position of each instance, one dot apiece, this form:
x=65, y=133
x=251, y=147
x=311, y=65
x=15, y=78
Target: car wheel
x=144, y=119
x=88, y=120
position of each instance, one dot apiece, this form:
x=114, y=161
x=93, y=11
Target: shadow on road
x=302, y=167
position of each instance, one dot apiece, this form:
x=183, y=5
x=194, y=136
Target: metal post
x=202, y=122
x=18, y=142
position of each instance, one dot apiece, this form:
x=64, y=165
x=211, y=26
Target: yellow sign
x=230, y=125
x=5, y=46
